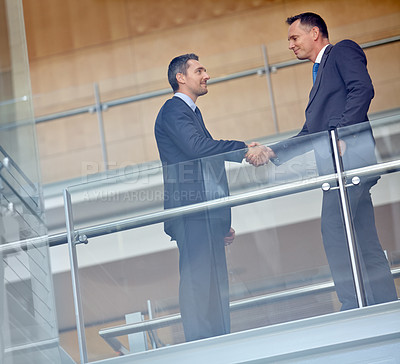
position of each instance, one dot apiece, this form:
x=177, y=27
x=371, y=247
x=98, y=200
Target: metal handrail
x=34, y=346
x=159, y=322
x=7, y=160
x=148, y=95
x=229, y=201
x=235, y=305
x=34, y=210
x=243, y=198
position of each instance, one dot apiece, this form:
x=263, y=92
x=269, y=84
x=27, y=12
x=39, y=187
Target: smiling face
x=194, y=82
x=304, y=41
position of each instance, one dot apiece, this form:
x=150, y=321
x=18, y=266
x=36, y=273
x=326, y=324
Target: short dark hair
x=179, y=65
x=312, y=20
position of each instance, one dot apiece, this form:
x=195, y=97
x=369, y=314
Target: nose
x=291, y=44
x=206, y=76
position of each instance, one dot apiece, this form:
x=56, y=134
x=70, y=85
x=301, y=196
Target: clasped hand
x=258, y=154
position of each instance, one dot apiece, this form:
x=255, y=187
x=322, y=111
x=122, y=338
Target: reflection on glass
x=201, y=239
x=275, y=270
x=357, y=148
x=118, y=194
x=387, y=136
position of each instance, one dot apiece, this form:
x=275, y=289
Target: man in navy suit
x=194, y=171
x=340, y=98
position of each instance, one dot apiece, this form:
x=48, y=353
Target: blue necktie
x=315, y=71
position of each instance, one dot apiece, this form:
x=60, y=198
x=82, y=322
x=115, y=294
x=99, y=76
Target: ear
x=180, y=77
x=315, y=33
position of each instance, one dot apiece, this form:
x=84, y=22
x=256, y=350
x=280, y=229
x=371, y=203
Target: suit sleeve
x=351, y=64
x=292, y=147
x=180, y=127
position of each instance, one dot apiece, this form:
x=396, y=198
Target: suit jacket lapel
x=315, y=87
x=198, y=121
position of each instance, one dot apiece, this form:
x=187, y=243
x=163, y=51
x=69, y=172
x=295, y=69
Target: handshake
x=258, y=154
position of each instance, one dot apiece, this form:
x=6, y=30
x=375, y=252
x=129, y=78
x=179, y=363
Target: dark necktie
x=198, y=113
x=315, y=71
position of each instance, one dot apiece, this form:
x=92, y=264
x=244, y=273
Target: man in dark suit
x=340, y=98
x=193, y=171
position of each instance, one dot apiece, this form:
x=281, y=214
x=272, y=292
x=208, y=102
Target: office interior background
x=115, y=53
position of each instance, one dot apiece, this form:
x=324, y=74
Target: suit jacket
x=339, y=98
x=193, y=169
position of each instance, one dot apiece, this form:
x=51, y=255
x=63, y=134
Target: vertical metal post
x=349, y=230
x=99, y=112
x=270, y=89
x=150, y=311
x=80, y=327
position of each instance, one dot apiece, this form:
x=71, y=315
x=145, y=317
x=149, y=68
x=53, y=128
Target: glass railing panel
x=28, y=322
x=386, y=130
x=17, y=188
x=17, y=140
x=119, y=194
x=296, y=159
x=385, y=195
x=137, y=265
x=372, y=201
x=124, y=274
x=276, y=268
x=28, y=327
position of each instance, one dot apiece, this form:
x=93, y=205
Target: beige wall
x=126, y=45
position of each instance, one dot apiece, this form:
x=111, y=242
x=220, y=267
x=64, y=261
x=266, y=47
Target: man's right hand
x=258, y=154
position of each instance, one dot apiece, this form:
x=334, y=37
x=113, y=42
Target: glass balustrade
x=373, y=205
x=127, y=267
x=28, y=326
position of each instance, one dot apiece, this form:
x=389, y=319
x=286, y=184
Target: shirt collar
x=320, y=54
x=187, y=99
